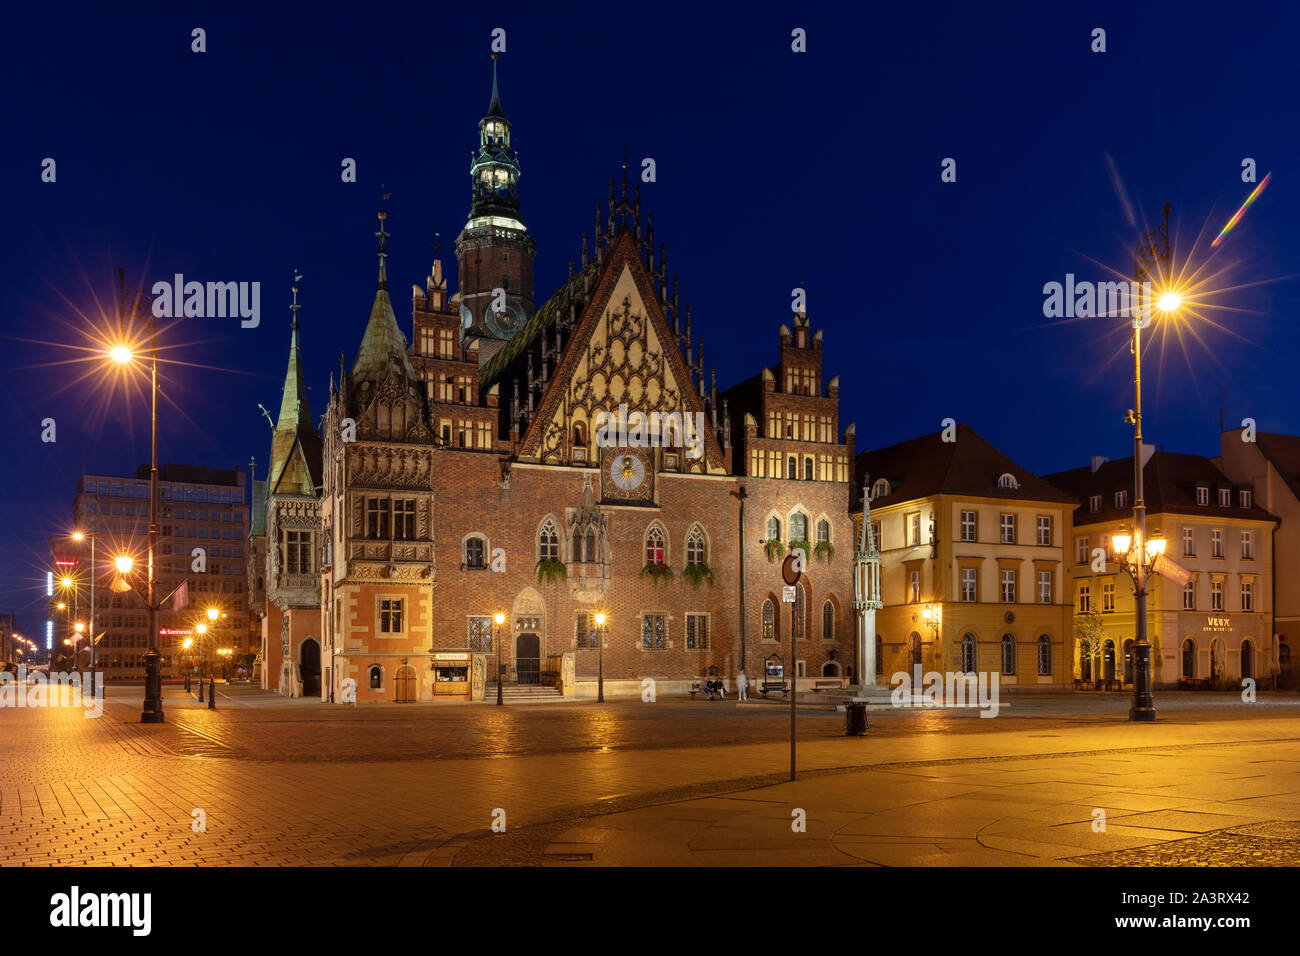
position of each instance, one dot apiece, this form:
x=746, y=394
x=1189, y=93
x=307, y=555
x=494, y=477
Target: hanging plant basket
x=695, y=573
x=825, y=551
x=800, y=544
x=774, y=548
x=550, y=571
x=660, y=572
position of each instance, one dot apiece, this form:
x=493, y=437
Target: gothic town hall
x=556, y=490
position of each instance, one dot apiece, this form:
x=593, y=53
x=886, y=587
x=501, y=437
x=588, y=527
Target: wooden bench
x=821, y=685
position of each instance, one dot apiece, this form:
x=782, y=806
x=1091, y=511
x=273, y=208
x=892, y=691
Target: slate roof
x=928, y=465
x=1284, y=452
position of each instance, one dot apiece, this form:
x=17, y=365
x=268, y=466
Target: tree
x=1089, y=633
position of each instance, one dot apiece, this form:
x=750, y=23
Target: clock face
x=505, y=323
x=626, y=477
x=627, y=472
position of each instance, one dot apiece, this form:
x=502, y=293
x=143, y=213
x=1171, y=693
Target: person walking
x=742, y=685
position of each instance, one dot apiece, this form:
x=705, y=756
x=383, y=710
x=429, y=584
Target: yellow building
x=1217, y=627
x=972, y=557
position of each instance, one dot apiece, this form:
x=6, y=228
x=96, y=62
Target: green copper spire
x=383, y=344
x=295, y=451
x=494, y=108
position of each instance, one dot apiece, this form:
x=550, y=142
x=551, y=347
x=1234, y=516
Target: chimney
x=1098, y=461
x=1147, y=452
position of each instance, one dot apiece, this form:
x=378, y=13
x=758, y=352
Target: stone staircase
x=521, y=693
x=877, y=695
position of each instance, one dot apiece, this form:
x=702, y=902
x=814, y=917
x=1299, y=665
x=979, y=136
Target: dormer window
x=1008, y=482
x=1225, y=497
x=1094, y=504
x=1121, y=500
x=1244, y=496
x=1202, y=495
x=880, y=488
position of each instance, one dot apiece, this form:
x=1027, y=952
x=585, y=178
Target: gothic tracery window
x=695, y=551
x=654, y=547
x=548, y=542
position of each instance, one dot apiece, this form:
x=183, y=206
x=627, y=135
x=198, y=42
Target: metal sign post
x=791, y=574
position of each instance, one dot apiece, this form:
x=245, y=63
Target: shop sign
x=1217, y=624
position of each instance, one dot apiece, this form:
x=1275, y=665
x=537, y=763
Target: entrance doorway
x=913, y=650
x=309, y=667
x=528, y=659
x=404, y=684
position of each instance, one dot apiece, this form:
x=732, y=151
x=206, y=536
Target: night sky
x=775, y=170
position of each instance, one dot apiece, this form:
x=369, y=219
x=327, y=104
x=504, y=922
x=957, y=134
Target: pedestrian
x=742, y=685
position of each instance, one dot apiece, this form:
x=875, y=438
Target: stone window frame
x=691, y=617
x=404, y=611
x=464, y=551
x=697, y=531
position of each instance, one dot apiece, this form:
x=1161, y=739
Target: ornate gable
x=393, y=411
x=623, y=352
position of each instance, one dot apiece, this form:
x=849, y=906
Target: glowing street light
x=600, y=678
x=120, y=354
x=1169, y=302
x=499, y=619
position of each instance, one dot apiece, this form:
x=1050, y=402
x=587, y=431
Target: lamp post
x=200, y=629
x=80, y=536
x=1152, y=252
x=498, y=619
x=213, y=614
x=1135, y=558
x=188, y=645
x=600, y=673
x=152, y=710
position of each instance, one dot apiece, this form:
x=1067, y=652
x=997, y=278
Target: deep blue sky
x=774, y=169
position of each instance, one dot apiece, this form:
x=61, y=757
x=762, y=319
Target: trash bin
x=855, y=718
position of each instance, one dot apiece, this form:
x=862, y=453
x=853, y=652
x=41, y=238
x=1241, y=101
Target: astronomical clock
x=627, y=475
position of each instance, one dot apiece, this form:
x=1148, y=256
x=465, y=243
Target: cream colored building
x=1219, y=625
x=972, y=556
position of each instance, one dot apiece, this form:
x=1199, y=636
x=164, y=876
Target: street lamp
x=187, y=644
x=213, y=614
x=200, y=629
x=932, y=614
x=80, y=536
x=152, y=710
x=498, y=619
x=1153, y=252
x=1136, y=560
x=600, y=679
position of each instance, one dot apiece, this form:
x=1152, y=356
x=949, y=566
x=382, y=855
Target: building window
x=376, y=677
x=548, y=542
x=807, y=469
x=1008, y=654
x=298, y=552
x=1189, y=594
x=792, y=463
x=390, y=616
x=1216, y=543
x=1225, y=497
x=1045, y=530
x=1008, y=586
x=800, y=619
x=589, y=548
x=585, y=629
x=828, y=621
x=1189, y=542
x=1094, y=503
x=878, y=534
x=475, y=552
x=654, y=547
x=1202, y=495
x=1085, y=599
x=968, y=584
x=914, y=528
x=1121, y=500
x=1108, y=597
x=913, y=586
x=1008, y=482
x=1008, y=524
x=1081, y=550
x=879, y=489
x=404, y=519
x=697, y=632
x=774, y=529
x=1247, y=596
x=968, y=527
x=823, y=531
x=1044, y=587
x=1248, y=545
x=798, y=527
x=653, y=633
x=968, y=654
x=1044, y=655
x=695, y=547
x=1216, y=595
x=880, y=654
x=377, y=518
x=479, y=634
x=769, y=622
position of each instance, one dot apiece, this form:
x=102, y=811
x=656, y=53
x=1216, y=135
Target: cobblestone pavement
x=284, y=782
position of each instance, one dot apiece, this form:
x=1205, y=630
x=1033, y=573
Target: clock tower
x=494, y=251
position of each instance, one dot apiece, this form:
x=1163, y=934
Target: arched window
x=1085, y=661
x=1008, y=654
x=880, y=655
x=828, y=621
x=589, y=547
x=1008, y=481
x=774, y=528
x=1044, y=655
x=823, y=531
x=1108, y=661
x=830, y=669
x=376, y=677
x=879, y=489
x=1128, y=661
x=579, y=434
x=695, y=553
x=792, y=467
x=968, y=654
x=800, y=621
x=1189, y=658
x=769, y=621
x=798, y=526
x=475, y=550
x=654, y=547
x=548, y=542
x=807, y=469
x=1247, y=659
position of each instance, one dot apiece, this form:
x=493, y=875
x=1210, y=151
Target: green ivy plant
x=695, y=573
x=658, y=571
x=774, y=548
x=550, y=570
x=825, y=551
x=800, y=544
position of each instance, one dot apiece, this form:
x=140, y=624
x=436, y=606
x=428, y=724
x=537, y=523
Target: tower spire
x=494, y=107
x=382, y=236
